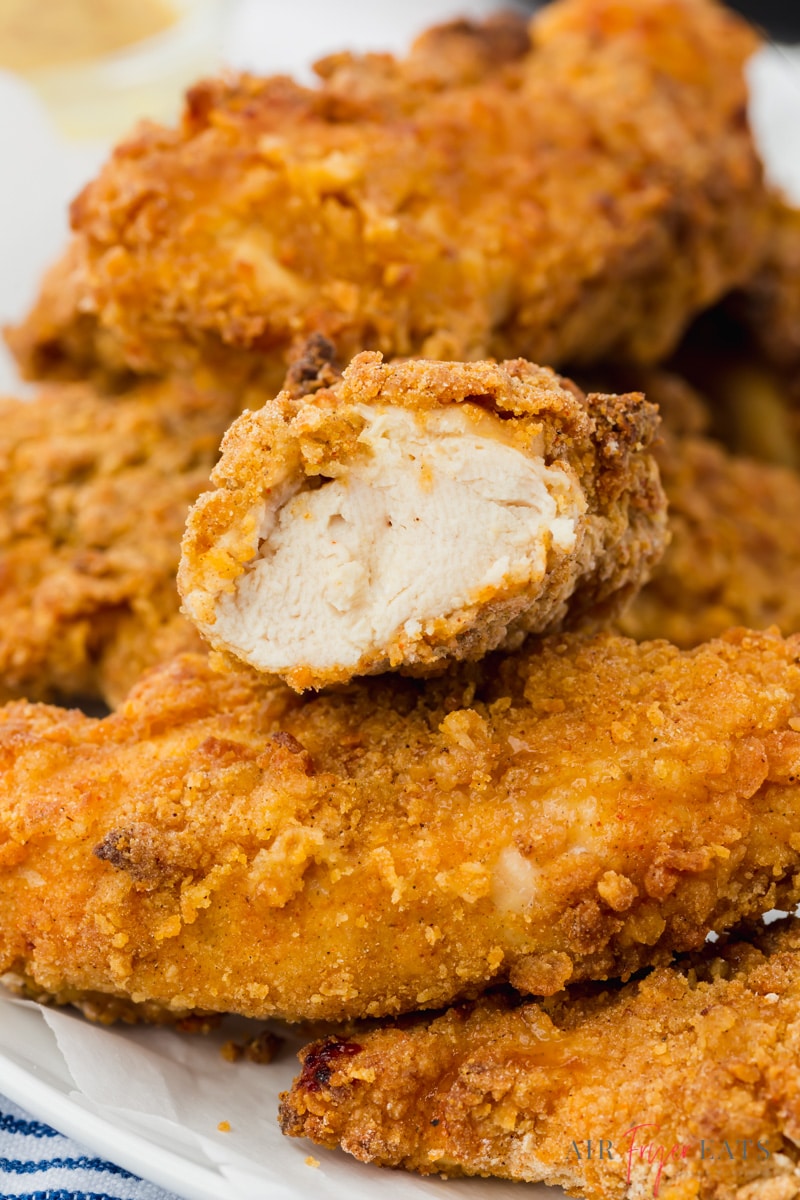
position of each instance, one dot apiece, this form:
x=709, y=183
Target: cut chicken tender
x=690, y=1078
x=94, y=491
x=570, y=194
x=734, y=553
x=416, y=512
x=572, y=812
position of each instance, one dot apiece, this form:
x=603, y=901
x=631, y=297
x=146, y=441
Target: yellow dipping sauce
x=35, y=35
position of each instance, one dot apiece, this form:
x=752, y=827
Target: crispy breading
x=683, y=409
x=684, y=1084
x=734, y=556
x=418, y=512
x=573, y=812
x=60, y=341
x=568, y=198
x=734, y=551
x=94, y=492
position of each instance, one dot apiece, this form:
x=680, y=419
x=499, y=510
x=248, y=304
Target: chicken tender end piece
x=696, y=1056
x=418, y=512
x=94, y=491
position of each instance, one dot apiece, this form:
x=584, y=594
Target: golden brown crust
x=368, y=209
x=105, y=1009
x=597, y=444
x=703, y=1055
x=734, y=555
x=59, y=340
x=94, y=491
x=574, y=812
x=682, y=409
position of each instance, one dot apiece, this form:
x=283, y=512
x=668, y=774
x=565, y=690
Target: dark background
x=777, y=19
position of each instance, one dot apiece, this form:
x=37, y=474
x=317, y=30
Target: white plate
x=151, y=1100
x=34, y=1076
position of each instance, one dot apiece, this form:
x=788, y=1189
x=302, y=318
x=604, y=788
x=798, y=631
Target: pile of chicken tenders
x=453, y=701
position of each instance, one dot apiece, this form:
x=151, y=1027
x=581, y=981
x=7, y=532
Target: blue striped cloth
x=37, y=1163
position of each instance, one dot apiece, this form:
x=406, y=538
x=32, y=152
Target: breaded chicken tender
x=94, y=491
x=416, y=512
x=571, y=194
x=683, y=1084
x=734, y=553
x=60, y=341
x=573, y=812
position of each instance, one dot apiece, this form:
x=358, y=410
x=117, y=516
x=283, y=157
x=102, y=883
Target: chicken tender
x=572, y=812
x=572, y=194
x=59, y=340
x=690, y=1078
x=734, y=554
x=417, y=512
x=94, y=492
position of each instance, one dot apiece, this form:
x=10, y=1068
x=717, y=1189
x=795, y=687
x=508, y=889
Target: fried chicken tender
x=94, y=492
x=60, y=341
x=690, y=1076
x=417, y=512
x=571, y=195
x=572, y=812
x=734, y=554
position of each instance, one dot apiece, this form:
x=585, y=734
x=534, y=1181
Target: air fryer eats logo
x=640, y=1144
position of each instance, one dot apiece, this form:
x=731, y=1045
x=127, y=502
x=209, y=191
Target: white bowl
x=102, y=97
